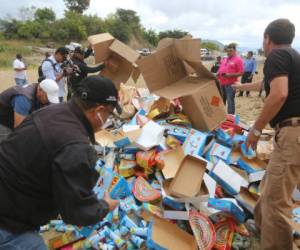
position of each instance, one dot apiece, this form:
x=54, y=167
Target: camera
x=69, y=68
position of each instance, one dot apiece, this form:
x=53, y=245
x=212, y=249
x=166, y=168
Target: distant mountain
x=219, y=44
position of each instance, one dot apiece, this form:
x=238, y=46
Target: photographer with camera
x=80, y=70
x=51, y=69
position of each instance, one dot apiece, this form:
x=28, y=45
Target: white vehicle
x=144, y=52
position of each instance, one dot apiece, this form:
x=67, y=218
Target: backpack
x=40, y=70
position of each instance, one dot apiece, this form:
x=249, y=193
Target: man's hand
x=236, y=85
x=112, y=204
x=251, y=140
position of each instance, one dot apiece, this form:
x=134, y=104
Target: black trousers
x=246, y=78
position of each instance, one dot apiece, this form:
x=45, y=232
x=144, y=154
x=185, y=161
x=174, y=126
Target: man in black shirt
x=47, y=166
x=82, y=70
x=282, y=110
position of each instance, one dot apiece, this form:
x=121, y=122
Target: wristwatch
x=256, y=132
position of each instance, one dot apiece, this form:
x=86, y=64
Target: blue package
x=104, y=182
x=134, y=119
x=122, y=142
x=173, y=204
x=194, y=143
x=120, y=188
x=180, y=133
x=130, y=150
x=249, y=153
x=223, y=137
x=228, y=206
x=245, y=166
x=218, y=151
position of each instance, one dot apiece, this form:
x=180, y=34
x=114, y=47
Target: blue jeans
x=229, y=97
x=20, y=81
x=24, y=241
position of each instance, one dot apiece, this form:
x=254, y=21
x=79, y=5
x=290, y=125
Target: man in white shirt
x=20, y=70
x=51, y=68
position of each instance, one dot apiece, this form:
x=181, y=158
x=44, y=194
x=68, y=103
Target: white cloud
x=242, y=21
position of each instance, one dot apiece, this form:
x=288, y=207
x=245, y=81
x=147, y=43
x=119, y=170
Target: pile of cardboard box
x=179, y=166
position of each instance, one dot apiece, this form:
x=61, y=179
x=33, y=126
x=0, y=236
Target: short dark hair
x=62, y=50
x=280, y=31
x=250, y=52
x=19, y=56
x=231, y=46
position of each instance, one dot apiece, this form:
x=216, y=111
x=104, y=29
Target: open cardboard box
x=166, y=75
x=166, y=235
x=229, y=179
x=116, y=139
x=188, y=179
x=121, y=57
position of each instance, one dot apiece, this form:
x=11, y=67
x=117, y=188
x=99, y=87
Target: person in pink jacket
x=230, y=69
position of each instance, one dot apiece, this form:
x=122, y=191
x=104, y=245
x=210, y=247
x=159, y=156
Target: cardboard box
x=188, y=179
x=165, y=235
x=172, y=160
x=121, y=57
x=251, y=165
x=165, y=75
x=228, y=205
x=230, y=180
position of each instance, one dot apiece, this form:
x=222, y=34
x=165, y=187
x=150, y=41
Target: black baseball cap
x=100, y=90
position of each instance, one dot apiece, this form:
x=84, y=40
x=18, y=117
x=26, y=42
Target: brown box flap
x=169, y=236
x=101, y=44
x=124, y=51
x=172, y=160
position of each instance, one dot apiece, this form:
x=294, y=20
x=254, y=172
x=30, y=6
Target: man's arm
x=74, y=177
x=273, y=104
x=87, y=69
x=255, y=86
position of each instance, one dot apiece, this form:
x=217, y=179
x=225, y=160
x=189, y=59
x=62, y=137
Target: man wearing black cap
x=54, y=173
x=77, y=76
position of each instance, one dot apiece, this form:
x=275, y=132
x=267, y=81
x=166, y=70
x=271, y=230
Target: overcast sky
x=241, y=21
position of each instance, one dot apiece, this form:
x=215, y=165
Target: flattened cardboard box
x=166, y=75
x=122, y=57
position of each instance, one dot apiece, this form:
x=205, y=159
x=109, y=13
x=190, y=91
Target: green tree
x=10, y=28
x=151, y=37
x=93, y=24
x=172, y=34
x=71, y=27
x=78, y=6
x=210, y=46
x=130, y=19
x=116, y=27
x=44, y=15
